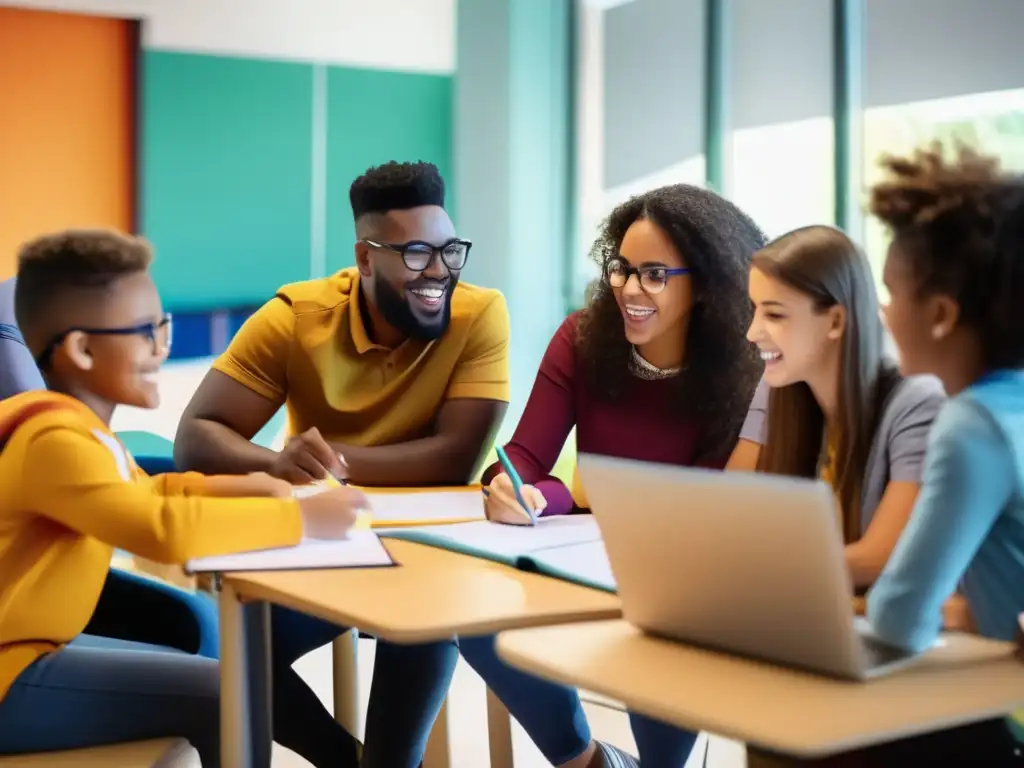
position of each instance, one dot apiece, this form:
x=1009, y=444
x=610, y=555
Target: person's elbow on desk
x=894, y=625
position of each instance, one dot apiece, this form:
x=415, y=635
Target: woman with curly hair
x=656, y=368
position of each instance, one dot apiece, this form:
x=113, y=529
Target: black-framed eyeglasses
x=418, y=255
x=158, y=334
x=653, y=278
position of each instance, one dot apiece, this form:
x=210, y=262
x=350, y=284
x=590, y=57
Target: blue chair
x=159, y=612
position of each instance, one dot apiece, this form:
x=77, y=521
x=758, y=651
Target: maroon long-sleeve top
x=641, y=424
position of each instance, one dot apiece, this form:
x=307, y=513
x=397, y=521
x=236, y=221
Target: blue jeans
x=98, y=691
x=553, y=716
x=408, y=689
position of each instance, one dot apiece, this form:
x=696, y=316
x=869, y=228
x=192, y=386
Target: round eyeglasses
x=418, y=255
x=653, y=278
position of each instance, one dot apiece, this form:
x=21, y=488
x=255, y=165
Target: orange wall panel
x=66, y=125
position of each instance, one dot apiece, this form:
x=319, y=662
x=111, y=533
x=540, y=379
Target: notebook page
x=362, y=549
x=584, y=562
x=510, y=541
x=305, y=491
x=425, y=506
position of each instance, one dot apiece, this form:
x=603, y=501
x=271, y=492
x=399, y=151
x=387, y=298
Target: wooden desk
x=431, y=595
x=792, y=713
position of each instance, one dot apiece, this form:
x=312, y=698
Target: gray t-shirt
x=897, y=452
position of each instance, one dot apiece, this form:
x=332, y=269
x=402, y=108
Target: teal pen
x=517, y=482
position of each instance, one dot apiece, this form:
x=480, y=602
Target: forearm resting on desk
x=956, y=614
x=253, y=485
x=464, y=432
x=435, y=460
x=212, y=447
x=863, y=563
x=557, y=495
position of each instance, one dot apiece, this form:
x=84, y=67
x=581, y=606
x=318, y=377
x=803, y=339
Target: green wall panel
x=372, y=117
x=225, y=148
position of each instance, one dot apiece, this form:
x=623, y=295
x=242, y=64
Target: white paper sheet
x=588, y=562
x=305, y=491
x=514, y=540
x=362, y=549
x=425, y=506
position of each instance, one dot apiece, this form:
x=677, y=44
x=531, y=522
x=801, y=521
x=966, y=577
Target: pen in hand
x=340, y=477
x=517, y=484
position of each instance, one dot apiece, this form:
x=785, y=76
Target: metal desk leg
x=245, y=680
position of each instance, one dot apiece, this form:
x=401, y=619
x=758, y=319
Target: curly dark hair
x=723, y=368
x=396, y=186
x=959, y=219
x=54, y=267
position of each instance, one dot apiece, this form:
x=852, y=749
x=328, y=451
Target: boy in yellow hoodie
x=70, y=493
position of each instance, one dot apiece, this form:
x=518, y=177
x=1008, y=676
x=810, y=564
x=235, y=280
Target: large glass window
x=640, y=108
x=991, y=122
x=779, y=94
x=783, y=175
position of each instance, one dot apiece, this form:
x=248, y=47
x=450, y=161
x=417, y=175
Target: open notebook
x=567, y=547
x=362, y=549
x=403, y=507
x=585, y=564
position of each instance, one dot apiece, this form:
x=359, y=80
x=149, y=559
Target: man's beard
x=399, y=314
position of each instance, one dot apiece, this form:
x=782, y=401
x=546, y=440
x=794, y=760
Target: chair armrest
x=143, y=609
x=18, y=371
x=155, y=465
x=154, y=454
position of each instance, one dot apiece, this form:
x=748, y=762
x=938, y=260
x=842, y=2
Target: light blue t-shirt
x=967, y=527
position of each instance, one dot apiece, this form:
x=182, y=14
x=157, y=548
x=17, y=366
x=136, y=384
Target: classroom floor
x=467, y=711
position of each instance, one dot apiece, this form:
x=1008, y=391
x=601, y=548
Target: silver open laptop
x=742, y=562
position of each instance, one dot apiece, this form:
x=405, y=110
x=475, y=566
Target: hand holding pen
x=508, y=500
x=308, y=458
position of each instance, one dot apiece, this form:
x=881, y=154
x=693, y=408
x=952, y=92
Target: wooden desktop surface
x=431, y=595
x=802, y=715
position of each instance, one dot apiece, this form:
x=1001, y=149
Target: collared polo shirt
x=308, y=348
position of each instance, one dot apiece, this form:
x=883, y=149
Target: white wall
x=408, y=35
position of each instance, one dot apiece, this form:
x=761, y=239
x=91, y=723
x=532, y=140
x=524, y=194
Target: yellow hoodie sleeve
x=175, y=483
x=82, y=479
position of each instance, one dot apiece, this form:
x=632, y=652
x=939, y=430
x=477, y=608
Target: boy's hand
x=308, y=458
x=331, y=514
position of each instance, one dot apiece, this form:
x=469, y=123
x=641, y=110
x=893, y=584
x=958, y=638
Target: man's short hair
x=56, y=267
x=396, y=186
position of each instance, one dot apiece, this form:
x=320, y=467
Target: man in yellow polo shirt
x=398, y=368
